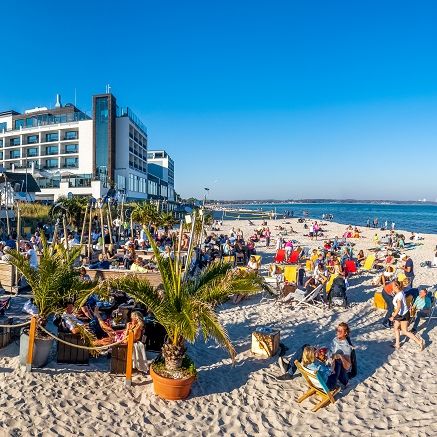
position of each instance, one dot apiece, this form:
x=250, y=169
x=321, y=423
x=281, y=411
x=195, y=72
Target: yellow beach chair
x=228, y=259
x=368, y=263
x=316, y=387
x=290, y=274
x=330, y=282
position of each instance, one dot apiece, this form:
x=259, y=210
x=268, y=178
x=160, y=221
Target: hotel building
x=69, y=151
x=160, y=168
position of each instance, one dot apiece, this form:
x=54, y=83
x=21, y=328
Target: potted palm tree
x=54, y=282
x=186, y=307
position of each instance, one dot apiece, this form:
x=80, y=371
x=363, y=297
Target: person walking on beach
x=401, y=317
x=392, y=226
x=375, y=222
x=368, y=223
x=267, y=236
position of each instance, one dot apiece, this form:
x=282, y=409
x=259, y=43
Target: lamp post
x=204, y=198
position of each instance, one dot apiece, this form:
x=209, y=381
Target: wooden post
x=131, y=226
x=64, y=224
x=129, y=353
x=102, y=228
x=90, y=224
x=83, y=226
x=18, y=227
x=31, y=344
x=109, y=225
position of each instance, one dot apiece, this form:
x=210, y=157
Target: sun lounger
x=280, y=256
x=316, y=387
x=309, y=300
x=290, y=274
x=294, y=257
x=369, y=263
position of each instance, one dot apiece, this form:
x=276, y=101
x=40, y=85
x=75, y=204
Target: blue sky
x=279, y=99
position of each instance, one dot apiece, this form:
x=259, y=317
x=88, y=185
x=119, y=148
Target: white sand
x=395, y=392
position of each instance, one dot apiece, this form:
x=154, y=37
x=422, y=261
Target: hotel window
x=15, y=141
x=32, y=151
x=71, y=135
x=52, y=150
x=3, y=126
x=1, y=155
x=51, y=163
x=30, y=122
x=31, y=139
x=19, y=123
x=52, y=137
x=71, y=148
x=15, y=154
x=1, y=143
x=121, y=182
x=71, y=162
x=131, y=182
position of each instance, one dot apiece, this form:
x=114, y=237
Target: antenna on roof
x=75, y=97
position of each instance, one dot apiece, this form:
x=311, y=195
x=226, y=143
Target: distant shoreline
x=321, y=201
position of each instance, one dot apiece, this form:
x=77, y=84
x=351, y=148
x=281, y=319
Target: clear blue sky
x=254, y=99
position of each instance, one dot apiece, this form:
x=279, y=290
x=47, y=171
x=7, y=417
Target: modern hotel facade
x=69, y=151
x=160, y=169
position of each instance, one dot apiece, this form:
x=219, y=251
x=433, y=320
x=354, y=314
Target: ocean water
x=413, y=218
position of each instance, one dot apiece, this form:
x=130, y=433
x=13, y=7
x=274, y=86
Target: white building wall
x=86, y=151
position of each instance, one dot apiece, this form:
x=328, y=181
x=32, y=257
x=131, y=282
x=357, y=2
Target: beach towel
x=139, y=358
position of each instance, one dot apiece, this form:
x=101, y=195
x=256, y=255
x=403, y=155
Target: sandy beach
x=394, y=393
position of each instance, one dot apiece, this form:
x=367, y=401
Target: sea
x=409, y=217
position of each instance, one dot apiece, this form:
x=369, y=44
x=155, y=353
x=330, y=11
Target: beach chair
x=368, y=263
x=316, y=387
x=258, y=259
x=329, y=283
x=310, y=300
x=290, y=274
x=280, y=256
x=433, y=308
x=229, y=259
x=294, y=257
x=350, y=267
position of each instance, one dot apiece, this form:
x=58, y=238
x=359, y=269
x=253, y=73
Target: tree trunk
x=173, y=355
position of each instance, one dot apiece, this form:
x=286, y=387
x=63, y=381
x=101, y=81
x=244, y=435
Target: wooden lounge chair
x=316, y=387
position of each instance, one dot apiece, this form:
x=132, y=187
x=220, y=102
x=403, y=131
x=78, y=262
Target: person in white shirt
x=31, y=256
x=401, y=316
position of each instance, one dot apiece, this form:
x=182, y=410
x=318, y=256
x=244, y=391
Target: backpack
x=354, y=366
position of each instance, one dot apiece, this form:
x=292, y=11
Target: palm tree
x=187, y=305
x=73, y=209
x=55, y=281
x=166, y=220
x=145, y=213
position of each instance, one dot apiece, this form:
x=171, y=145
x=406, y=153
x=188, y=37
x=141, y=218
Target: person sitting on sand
x=136, y=325
x=401, y=316
x=360, y=258
x=420, y=308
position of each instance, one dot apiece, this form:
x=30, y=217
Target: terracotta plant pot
x=171, y=389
